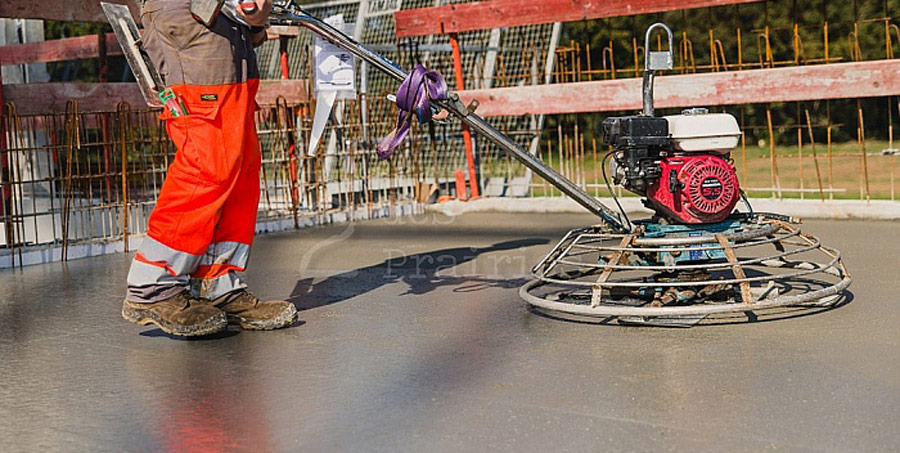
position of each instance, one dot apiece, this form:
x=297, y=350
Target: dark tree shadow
x=419, y=271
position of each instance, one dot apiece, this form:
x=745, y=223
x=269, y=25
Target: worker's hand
x=261, y=17
x=441, y=116
x=258, y=38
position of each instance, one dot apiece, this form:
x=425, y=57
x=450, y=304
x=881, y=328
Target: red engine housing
x=695, y=189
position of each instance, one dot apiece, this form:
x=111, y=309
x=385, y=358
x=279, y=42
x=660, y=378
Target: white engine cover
x=695, y=131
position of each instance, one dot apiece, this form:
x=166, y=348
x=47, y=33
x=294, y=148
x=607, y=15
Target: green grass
x=847, y=172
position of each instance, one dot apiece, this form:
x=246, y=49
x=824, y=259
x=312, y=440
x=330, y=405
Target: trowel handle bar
x=293, y=15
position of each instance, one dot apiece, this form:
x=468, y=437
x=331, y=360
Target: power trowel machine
x=696, y=258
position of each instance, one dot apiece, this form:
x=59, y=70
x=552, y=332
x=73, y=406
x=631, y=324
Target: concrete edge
x=804, y=209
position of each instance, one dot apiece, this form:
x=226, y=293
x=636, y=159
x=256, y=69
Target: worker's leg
x=204, y=176
x=216, y=278
x=182, y=224
x=209, y=69
x=229, y=250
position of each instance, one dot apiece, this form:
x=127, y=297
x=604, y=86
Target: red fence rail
x=462, y=17
x=37, y=98
x=800, y=83
x=63, y=10
x=59, y=50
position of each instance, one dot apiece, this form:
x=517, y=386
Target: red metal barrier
x=467, y=134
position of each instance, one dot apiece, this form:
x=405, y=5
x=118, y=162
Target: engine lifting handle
x=655, y=61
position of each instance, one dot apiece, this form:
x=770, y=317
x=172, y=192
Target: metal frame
x=290, y=14
x=574, y=263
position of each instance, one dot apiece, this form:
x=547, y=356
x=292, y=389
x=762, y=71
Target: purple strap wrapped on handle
x=415, y=95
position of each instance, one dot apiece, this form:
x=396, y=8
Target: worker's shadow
x=423, y=273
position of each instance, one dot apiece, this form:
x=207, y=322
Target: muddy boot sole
x=286, y=318
x=215, y=324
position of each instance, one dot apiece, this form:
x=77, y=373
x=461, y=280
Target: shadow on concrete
x=230, y=332
x=158, y=333
x=419, y=271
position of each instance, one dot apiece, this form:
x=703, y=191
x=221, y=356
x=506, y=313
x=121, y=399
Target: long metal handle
x=295, y=16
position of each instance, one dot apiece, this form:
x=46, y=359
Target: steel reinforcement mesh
x=89, y=177
x=817, y=148
x=517, y=56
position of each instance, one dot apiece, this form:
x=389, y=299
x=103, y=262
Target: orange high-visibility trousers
x=201, y=229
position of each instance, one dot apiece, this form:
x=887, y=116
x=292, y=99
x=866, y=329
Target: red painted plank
x=801, y=83
x=293, y=91
x=32, y=98
x=37, y=98
x=64, y=10
x=58, y=50
x=484, y=15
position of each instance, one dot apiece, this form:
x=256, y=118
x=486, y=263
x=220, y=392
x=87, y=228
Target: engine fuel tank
x=695, y=130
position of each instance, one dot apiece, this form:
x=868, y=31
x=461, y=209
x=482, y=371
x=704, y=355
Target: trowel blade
x=661, y=321
x=129, y=37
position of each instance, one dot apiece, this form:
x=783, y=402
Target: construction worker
x=184, y=277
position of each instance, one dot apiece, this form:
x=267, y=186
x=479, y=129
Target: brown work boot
x=180, y=314
x=253, y=314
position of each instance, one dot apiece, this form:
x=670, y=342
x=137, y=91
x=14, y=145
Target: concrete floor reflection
x=414, y=339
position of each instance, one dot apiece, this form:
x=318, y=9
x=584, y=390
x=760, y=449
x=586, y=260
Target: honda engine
x=680, y=163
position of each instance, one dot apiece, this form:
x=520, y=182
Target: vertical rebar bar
x=773, y=156
x=864, y=161
x=812, y=142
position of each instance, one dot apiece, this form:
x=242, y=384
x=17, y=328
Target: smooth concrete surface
x=413, y=338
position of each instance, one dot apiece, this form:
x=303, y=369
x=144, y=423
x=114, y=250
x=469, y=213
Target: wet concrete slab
x=413, y=337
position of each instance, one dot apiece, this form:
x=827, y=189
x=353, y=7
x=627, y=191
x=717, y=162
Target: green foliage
x=87, y=70
x=860, y=19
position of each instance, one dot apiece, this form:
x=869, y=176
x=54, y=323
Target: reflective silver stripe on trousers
x=148, y=283
x=213, y=288
x=233, y=253
x=151, y=282
x=180, y=263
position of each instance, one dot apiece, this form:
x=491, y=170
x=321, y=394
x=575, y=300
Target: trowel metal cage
x=588, y=272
